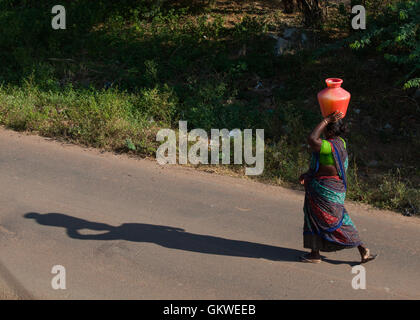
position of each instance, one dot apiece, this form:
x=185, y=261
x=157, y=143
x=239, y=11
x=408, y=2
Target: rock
x=295, y=35
x=292, y=38
x=288, y=33
x=282, y=46
x=258, y=86
x=242, y=51
x=272, y=35
x=407, y=212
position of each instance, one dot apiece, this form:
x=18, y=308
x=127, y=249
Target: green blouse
x=325, y=154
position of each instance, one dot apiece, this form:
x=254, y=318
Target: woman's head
x=335, y=129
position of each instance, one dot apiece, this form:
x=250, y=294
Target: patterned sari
x=327, y=226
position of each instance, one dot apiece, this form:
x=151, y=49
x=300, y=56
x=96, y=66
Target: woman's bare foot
x=365, y=254
x=313, y=257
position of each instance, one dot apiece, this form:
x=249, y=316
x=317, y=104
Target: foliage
x=395, y=32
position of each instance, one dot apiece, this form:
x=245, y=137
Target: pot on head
x=333, y=98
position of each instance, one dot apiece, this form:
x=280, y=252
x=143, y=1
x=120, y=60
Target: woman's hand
x=302, y=178
x=314, y=139
x=333, y=117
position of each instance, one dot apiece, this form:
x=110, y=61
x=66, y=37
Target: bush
x=396, y=33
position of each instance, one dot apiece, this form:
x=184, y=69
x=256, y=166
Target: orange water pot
x=333, y=98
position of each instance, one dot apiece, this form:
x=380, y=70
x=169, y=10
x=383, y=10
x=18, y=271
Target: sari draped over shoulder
x=327, y=225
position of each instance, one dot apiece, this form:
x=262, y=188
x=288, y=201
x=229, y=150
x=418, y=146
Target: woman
x=327, y=226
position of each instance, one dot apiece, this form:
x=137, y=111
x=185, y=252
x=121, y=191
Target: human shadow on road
x=165, y=236
x=170, y=237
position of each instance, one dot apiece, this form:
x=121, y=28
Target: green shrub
x=395, y=33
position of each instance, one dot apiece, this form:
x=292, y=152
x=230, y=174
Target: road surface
x=126, y=228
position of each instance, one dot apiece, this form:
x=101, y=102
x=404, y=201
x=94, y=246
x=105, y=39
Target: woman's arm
x=314, y=139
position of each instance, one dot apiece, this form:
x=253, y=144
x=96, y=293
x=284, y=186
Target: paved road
x=127, y=228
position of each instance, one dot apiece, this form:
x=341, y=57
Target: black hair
x=337, y=128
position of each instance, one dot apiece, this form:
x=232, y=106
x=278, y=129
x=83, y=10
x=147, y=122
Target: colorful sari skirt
x=327, y=226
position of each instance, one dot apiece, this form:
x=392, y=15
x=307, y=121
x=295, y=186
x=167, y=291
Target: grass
x=102, y=119
x=120, y=73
